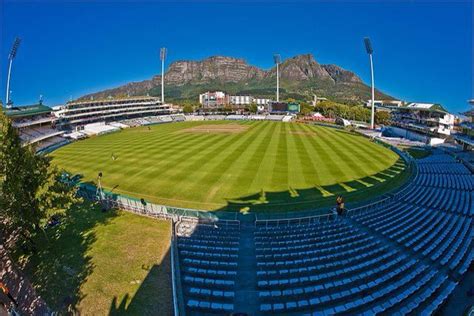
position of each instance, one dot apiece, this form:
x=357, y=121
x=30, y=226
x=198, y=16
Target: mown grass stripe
x=256, y=158
x=341, y=144
x=263, y=174
x=232, y=171
x=212, y=166
x=279, y=179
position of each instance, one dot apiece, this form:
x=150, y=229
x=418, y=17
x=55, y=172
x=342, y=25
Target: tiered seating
x=437, y=157
x=135, y=122
x=56, y=140
x=443, y=168
x=333, y=267
x=444, y=199
x=209, y=256
x=37, y=132
x=440, y=236
x=459, y=182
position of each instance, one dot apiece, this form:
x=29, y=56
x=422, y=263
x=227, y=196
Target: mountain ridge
x=301, y=77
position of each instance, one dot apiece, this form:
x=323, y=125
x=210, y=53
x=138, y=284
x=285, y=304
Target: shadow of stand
x=153, y=297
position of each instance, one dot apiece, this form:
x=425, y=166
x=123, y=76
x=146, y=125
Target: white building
x=263, y=102
x=213, y=99
x=241, y=100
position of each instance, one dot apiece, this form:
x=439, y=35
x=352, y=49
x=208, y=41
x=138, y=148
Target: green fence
x=110, y=199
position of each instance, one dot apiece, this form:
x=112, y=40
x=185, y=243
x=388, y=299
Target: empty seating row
x=206, y=306
x=198, y=247
x=322, y=227
x=437, y=157
x=443, y=168
x=355, y=250
x=458, y=182
x=209, y=282
x=343, y=264
x=312, y=243
x=445, y=199
x=210, y=272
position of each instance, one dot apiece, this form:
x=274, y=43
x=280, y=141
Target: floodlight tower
x=162, y=57
x=369, y=49
x=277, y=60
x=12, y=55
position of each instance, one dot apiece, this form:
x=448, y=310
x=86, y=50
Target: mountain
x=300, y=77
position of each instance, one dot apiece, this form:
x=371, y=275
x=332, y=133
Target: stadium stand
x=79, y=113
x=194, y=117
x=404, y=255
x=36, y=125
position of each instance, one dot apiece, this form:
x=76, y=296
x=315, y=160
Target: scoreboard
x=284, y=107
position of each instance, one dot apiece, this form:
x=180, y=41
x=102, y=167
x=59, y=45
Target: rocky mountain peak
x=299, y=74
x=301, y=67
x=222, y=68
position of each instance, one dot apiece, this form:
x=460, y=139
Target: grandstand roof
x=27, y=110
x=111, y=99
x=426, y=106
x=468, y=113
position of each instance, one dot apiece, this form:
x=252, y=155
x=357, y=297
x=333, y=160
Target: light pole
x=369, y=49
x=12, y=55
x=277, y=60
x=162, y=57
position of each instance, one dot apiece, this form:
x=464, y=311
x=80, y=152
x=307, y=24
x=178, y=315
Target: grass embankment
x=104, y=263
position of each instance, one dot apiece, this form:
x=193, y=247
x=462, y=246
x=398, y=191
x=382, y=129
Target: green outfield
x=241, y=166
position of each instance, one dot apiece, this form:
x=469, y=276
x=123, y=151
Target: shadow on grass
x=61, y=263
x=319, y=197
x=153, y=296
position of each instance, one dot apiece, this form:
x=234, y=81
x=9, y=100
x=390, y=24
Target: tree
x=253, y=108
x=382, y=117
x=188, y=108
x=28, y=185
x=305, y=108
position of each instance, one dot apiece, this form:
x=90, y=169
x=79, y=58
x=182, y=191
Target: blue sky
x=423, y=50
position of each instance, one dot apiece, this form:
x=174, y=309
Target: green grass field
x=113, y=263
x=239, y=166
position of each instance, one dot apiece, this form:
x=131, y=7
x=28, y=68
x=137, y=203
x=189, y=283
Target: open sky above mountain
x=423, y=50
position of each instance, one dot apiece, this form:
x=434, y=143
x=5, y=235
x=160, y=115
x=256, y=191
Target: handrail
x=178, y=305
x=310, y=219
